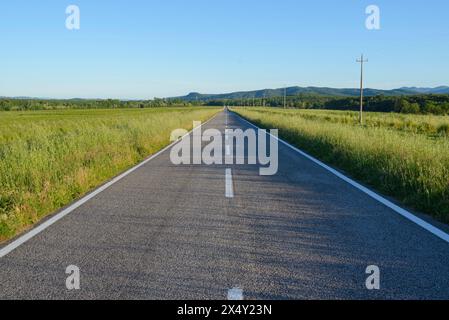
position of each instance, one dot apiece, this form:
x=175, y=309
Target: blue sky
x=156, y=48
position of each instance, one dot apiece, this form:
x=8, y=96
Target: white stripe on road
x=226, y=121
x=406, y=214
x=27, y=236
x=229, y=186
x=235, y=294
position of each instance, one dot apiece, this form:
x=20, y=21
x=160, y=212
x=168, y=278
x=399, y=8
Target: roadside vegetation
x=430, y=125
x=432, y=104
x=27, y=104
x=437, y=104
x=50, y=158
x=406, y=157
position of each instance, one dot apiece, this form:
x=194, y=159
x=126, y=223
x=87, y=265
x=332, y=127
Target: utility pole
x=361, y=61
x=285, y=97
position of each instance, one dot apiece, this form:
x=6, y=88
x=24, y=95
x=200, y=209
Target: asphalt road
x=173, y=232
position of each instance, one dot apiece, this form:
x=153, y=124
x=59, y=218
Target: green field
x=403, y=156
x=50, y=158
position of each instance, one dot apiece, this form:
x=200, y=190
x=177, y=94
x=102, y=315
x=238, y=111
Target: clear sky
x=158, y=48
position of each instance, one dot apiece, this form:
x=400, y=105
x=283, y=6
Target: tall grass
x=431, y=125
x=50, y=158
x=412, y=167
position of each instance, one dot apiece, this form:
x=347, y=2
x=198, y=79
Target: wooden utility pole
x=361, y=61
x=285, y=97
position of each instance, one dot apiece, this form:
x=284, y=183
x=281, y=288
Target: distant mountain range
x=321, y=91
x=291, y=91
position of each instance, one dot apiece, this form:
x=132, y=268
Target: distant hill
x=270, y=93
x=437, y=90
x=320, y=91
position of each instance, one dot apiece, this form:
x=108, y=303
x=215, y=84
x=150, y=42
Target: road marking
x=35, y=231
x=406, y=214
x=235, y=294
x=229, y=186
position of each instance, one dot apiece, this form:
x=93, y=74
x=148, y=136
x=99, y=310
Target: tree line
x=414, y=104
x=47, y=104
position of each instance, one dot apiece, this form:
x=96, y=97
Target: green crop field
x=404, y=156
x=50, y=158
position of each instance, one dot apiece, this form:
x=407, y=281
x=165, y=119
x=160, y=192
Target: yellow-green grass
x=431, y=125
x=50, y=158
x=410, y=166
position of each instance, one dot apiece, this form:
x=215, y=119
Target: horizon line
x=25, y=97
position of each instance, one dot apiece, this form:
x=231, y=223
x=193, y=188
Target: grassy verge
x=50, y=158
x=430, y=125
x=410, y=166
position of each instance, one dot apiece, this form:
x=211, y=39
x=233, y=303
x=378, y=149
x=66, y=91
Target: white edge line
x=35, y=231
x=406, y=214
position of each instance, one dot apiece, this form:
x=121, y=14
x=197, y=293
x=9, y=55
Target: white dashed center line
x=229, y=187
x=235, y=294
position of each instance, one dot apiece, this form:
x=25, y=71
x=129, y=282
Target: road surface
x=197, y=232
